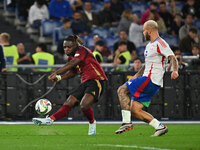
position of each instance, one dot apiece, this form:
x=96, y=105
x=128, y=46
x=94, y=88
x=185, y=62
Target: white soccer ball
x=43, y=106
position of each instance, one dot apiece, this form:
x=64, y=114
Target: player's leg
x=62, y=112
x=65, y=109
x=87, y=110
x=125, y=106
x=136, y=110
x=93, y=92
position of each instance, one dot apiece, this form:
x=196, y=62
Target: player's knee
x=84, y=105
x=71, y=101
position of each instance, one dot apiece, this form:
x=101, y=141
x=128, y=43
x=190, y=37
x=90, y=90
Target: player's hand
x=133, y=77
x=117, y=52
x=174, y=75
x=52, y=77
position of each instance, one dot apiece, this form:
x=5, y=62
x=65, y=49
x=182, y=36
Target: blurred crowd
x=124, y=18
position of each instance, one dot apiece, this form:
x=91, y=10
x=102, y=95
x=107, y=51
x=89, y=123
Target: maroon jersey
x=88, y=68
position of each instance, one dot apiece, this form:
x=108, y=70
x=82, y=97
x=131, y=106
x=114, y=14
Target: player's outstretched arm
x=174, y=63
x=138, y=74
x=71, y=64
x=68, y=75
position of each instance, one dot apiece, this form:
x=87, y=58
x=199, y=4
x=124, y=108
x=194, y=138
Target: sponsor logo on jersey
x=76, y=55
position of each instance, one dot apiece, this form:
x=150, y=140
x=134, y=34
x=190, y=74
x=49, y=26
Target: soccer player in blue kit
x=147, y=82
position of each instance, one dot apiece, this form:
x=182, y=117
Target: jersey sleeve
x=98, y=58
x=123, y=60
x=164, y=49
x=80, y=54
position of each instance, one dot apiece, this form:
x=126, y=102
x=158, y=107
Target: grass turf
x=74, y=137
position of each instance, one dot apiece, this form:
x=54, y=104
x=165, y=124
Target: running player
x=81, y=61
x=147, y=82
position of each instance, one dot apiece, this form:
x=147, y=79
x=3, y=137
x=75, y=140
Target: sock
x=126, y=116
x=89, y=114
x=62, y=112
x=156, y=124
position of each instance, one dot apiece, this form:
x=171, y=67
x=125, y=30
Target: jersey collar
x=156, y=39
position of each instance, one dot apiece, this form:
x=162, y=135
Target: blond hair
x=151, y=24
x=5, y=37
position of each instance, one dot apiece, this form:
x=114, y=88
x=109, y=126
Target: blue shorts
x=142, y=89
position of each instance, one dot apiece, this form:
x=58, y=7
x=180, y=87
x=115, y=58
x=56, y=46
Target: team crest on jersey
x=146, y=53
x=129, y=82
x=76, y=55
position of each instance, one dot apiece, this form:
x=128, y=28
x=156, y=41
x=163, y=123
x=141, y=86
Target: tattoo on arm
x=174, y=62
x=140, y=72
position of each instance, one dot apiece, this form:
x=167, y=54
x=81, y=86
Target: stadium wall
x=177, y=100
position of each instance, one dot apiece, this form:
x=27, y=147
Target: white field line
x=98, y=122
x=130, y=146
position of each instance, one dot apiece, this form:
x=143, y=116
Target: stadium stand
x=173, y=41
x=140, y=52
x=110, y=40
x=138, y=6
x=47, y=30
x=197, y=23
x=179, y=6
x=103, y=32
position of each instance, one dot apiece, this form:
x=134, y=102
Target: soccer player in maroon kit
x=81, y=61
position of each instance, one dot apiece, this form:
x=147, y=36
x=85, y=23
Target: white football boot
x=43, y=121
x=92, y=128
x=161, y=131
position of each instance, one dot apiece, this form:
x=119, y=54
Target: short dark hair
x=40, y=2
x=195, y=45
x=123, y=31
x=122, y=43
x=189, y=14
x=154, y=12
x=66, y=20
x=42, y=46
x=193, y=30
x=137, y=58
x=178, y=14
x=100, y=43
x=154, y=3
x=162, y=3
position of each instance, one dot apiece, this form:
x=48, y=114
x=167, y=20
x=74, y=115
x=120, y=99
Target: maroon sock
x=62, y=112
x=89, y=114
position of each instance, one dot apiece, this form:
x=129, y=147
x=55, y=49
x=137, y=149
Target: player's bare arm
x=123, y=97
x=71, y=64
x=65, y=68
x=139, y=73
x=174, y=63
x=68, y=75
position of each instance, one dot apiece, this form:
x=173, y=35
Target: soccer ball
x=43, y=106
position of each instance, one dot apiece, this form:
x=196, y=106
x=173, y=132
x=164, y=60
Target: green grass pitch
x=74, y=137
